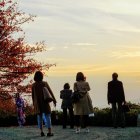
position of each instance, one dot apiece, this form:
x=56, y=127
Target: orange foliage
x=7, y=108
x=16, y=56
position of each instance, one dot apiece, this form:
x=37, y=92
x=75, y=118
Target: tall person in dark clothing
x=116, y=97
x=65, y=95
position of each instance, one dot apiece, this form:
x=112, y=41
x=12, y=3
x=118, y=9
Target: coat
x=115, y=92
x=65, y=95
x=40, y=105
x=84, y=105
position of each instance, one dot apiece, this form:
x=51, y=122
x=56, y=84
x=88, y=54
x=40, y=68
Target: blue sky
x=98, y=37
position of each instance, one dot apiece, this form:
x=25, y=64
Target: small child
x=65, y=95
x=20, y=110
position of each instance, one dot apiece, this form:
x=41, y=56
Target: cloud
x=84, y=44
x=121, y=51
x=125, y=54
x=119, y=6
x=74, y=21
x=126, y=29
x=65, y=47
x=73, y=69
x=50, y=48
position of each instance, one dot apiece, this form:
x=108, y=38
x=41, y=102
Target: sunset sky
x=97, y=37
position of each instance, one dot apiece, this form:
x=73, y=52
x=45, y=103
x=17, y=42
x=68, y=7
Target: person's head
x=38, y=76
x=80, y=76
x=114, y=76
x=66, y=86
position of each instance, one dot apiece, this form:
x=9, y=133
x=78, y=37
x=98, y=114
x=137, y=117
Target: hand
x=108, y=103
x=124, y=102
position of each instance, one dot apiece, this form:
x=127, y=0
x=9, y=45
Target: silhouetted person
x=20, y=110
x=117, y=98
x=65, y=95
x=41, y=107
x=83, y=107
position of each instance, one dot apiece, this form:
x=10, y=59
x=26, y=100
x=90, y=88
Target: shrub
x=102, y=117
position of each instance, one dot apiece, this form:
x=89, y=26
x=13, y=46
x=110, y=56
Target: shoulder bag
x=76, y=96
x=125, y=108
x=47, y=96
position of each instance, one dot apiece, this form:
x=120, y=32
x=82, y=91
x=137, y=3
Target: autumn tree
x=16, y=56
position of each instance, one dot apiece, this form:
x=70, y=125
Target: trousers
x=46, y=118
x=118, y=115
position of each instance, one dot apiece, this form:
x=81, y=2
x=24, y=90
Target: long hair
x=80, y=76
x=38, y=76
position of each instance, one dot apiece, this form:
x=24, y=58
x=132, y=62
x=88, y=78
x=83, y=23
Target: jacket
x=41, y=106
x=115, y=91
x=65, y=95
x=84, y=105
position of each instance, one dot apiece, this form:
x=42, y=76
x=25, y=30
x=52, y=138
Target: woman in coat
x=83, y=107
x=41, y=107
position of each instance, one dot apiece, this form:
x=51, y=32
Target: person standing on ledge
x=116, y=98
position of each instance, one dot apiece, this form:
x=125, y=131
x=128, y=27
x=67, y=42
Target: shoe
x=42, y=134
x=71, y=127
x=49, y=134
x=87, y=130
x=77, y=131
x=64, y=127
x=122, y=125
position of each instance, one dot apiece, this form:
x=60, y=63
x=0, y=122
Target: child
x=20, y=110
x=65, y=95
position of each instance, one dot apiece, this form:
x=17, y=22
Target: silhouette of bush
x=8, y=121
x=102, y=117
x=56, y=117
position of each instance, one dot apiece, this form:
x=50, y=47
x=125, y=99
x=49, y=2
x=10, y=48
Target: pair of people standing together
x=82, y=108
x=42, y=108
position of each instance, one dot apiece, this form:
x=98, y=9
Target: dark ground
x=96, y=133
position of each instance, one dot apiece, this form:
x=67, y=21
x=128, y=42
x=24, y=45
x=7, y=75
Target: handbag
x=125, y=108
x=76, y=96
x=46, y=94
